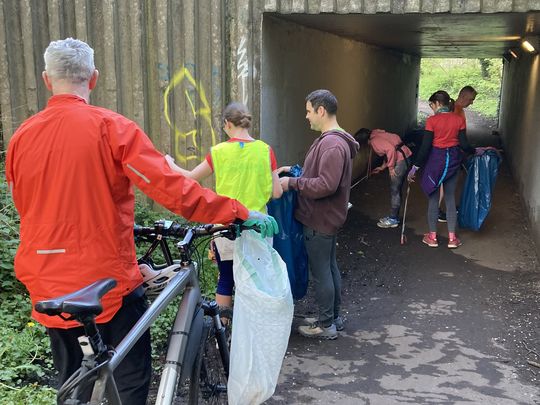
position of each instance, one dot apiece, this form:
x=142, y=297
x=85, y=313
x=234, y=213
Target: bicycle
x=197, y=359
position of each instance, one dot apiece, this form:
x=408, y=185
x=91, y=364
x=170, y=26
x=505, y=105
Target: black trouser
x=132, y=375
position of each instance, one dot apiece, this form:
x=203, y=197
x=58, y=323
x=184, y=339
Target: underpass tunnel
x=372, y=64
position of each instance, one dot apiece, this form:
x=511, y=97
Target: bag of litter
x=289, y=242
x=263, y=312
x=478, y=188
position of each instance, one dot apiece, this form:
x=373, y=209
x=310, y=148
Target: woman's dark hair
x=323, y=98
x=362, y=136
x=442, y=97
x=238, y=115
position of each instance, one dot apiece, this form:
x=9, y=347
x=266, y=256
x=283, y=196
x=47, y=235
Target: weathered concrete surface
x=399, y=6
x=520, y=123
x=426, y=326
x=362, y=77
x=438, y=35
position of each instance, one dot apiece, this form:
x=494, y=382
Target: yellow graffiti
x=204, y=113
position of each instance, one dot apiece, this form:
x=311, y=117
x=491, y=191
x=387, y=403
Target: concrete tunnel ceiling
x=429, y=35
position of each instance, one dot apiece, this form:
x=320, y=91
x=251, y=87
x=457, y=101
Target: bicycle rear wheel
x=212, y=387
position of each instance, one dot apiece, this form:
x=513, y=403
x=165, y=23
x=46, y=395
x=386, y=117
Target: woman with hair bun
x=440, y=156
x=246, y=170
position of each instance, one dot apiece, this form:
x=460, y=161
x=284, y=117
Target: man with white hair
x=71, y=169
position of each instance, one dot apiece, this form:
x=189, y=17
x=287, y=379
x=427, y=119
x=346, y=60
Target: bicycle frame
x=186, y=338
x=105, y=387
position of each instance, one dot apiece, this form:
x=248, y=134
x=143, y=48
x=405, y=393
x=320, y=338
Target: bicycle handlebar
x=170, y=229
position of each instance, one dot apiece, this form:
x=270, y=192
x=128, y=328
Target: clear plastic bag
x=263, y=312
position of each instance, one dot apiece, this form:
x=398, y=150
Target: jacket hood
x=354, y=146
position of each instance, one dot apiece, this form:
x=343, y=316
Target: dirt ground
x=426, y=325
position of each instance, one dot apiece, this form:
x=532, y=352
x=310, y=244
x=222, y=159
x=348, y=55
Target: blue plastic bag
x=289, y=242
x=478, y=188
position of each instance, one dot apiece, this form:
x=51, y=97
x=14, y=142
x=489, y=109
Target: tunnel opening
x=373, y=64
x=453, y=74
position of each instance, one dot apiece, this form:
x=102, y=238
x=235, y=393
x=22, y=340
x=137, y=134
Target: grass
x=451, y=75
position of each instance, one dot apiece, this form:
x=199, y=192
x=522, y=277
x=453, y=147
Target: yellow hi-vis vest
x=243, y=172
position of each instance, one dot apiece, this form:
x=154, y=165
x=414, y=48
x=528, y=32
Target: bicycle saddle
x=85, y=301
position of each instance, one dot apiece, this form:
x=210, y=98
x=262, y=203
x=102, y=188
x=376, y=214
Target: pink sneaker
x=431, y=242
x=454, y=243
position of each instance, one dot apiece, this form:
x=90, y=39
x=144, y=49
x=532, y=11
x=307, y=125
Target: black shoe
x=442, y=216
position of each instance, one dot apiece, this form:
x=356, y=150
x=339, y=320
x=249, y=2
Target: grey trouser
x=396, y=183
x=449, y=202
x=324, y=273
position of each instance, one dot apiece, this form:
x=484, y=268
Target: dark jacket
x=325, y=185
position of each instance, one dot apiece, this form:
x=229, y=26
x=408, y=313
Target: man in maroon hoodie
x=323, y=194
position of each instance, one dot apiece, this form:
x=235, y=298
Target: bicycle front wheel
x=209, y=370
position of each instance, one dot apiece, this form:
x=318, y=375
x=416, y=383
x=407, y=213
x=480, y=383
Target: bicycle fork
x=177, y=346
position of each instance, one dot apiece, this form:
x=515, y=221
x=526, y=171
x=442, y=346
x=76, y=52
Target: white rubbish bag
x=263, y=312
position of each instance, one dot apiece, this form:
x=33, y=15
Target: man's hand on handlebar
x=266, y=224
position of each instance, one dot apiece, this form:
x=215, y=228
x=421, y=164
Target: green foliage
x=452, y=74
x=9, y=235
x=34, y=394
x=24, y=348
x=24, y=345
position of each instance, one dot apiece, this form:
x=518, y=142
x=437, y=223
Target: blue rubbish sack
x=289, y=242
x=478, y=188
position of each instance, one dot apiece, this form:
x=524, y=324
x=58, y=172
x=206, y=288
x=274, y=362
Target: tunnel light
x=510, y=55
x=530, y=44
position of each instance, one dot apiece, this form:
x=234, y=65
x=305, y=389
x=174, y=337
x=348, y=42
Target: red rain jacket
x=71, y=169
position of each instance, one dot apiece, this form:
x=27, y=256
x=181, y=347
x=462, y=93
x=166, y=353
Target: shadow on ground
x=425, y=326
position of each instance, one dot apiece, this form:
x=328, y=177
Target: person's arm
x=283, y=169
x=427, y=141
x=277, y=190
x=464, y=142
x=391, y=155
x=148, y=170
x=326, y=182
x=380, y=168
x=199, y=173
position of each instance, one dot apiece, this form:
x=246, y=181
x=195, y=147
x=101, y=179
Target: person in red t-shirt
x=466, y=97
x=247, y=171
x=442, y=143
x=71, y=170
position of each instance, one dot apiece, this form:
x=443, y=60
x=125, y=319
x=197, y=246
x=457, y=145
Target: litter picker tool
x=368, y=171
x=403, y=237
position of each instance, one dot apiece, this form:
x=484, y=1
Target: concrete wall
x=520, y=131
x=397, y=6
x=162, y=63
x=375, y=88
